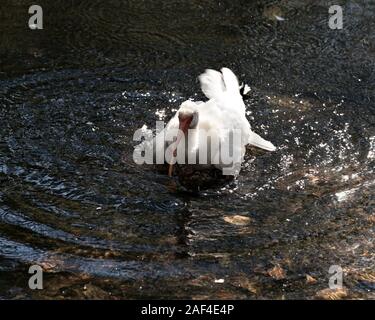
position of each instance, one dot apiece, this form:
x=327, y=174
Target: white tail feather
x=258, y=141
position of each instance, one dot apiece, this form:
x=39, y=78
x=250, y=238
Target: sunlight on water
x=73, y=200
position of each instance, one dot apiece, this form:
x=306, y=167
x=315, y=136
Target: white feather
x=258, y=141
x=225, y=110
x=230, y=80
x=212, y=83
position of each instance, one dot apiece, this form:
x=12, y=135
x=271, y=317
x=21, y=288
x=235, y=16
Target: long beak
x=182, y=131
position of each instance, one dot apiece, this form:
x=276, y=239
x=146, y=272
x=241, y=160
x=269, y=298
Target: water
x=73, y=201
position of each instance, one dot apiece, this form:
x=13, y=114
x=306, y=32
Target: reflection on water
x=73, y=201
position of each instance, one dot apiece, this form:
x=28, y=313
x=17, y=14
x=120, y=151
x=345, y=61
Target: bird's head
x=188, y=117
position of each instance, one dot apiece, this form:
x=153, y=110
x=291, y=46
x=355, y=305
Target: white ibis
x=224, y=112
x=197, y=122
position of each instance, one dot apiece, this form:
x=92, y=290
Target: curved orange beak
x=183, y=129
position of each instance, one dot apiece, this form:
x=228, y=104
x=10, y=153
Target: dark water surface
x=73, y=200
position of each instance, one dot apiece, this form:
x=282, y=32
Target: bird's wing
x=223, y=88
x=215, y=83
x=230, y=81
x=212, y=83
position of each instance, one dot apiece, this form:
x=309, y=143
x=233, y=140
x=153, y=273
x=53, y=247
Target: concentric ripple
x=73, y=201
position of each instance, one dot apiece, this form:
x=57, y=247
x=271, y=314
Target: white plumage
x=222, y=113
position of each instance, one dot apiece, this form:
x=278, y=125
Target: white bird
x=224, y=112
